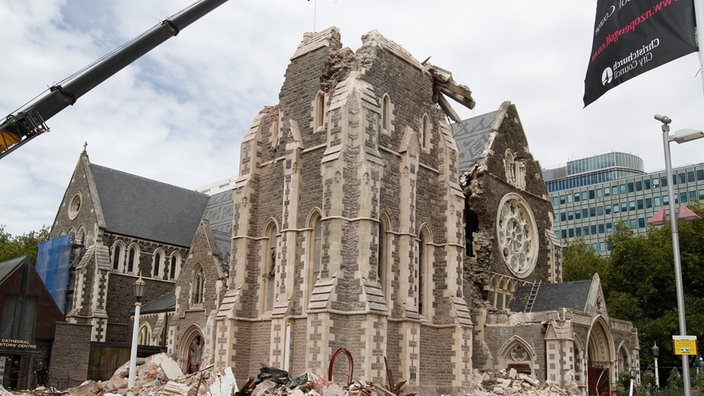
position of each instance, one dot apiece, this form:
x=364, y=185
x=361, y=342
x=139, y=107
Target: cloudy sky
x=178, y=114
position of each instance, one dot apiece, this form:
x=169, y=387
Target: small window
x=386, y=113
x=174, y=268
x=198, y=286
x=425, y=132
x=158, y=258
x=269, y=270
x=423, y=262
x=132, y=261
x=74, y=206
x=116, y=256
x=319, y=110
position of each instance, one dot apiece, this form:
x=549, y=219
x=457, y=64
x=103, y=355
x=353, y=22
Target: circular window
x=517, y=235
x=74, y=206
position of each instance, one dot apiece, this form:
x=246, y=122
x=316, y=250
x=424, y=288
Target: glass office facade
x=592, y=210
x=593, y=170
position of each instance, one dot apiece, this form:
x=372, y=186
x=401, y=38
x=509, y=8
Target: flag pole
x=699, y=20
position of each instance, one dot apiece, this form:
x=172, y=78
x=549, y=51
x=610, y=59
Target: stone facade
x=198, y=293
x=524, y=316
x=347, y=228
x=70, y=355
x=107, y=259
x=360, y=220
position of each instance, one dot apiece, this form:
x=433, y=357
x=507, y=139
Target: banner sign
x=634, y=36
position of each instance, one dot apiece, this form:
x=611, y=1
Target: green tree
x=21, y=245
x=642, y=287
x=580, y=261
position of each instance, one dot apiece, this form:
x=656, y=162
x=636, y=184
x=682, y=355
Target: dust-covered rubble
x=161, y=375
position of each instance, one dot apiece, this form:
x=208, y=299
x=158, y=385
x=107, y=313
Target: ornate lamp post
x=681, y=136
x=656, y=350
x=138, y=294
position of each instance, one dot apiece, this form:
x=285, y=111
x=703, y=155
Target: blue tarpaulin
x=54, y=266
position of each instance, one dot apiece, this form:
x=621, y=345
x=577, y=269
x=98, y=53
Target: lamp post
x=656, y=350
x=138, y=294
x=681, y=136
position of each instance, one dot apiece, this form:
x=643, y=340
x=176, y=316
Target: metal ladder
x=532, y=296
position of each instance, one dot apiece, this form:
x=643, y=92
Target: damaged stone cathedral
x=361, y=219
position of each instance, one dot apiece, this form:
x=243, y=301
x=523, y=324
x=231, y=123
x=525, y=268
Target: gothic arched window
x=198, y=286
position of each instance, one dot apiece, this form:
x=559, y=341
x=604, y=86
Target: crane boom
x=30, y=121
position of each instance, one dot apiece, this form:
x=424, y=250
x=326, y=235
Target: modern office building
x=591, y=195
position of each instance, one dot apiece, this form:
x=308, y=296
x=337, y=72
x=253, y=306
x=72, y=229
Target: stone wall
x=70, y=355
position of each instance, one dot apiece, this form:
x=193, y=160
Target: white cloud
x=178, y=114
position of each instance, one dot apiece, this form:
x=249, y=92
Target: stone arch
x=192, y=349
x=516, y=353
x=81, y=236
x=601, y=373
x=624, y=362
x=313, y=250
x=268, y=268
x=144, y=335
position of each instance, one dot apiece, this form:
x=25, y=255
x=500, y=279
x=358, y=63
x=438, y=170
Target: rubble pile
x=161, y=375
x=513, y=383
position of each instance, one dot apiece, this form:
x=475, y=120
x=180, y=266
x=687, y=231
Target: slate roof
x=471, y=136
x=218, y=212
x=163, y=303
x=9, y=266
x=553, y=296
x=147, y=209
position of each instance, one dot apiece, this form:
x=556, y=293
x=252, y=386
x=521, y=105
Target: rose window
x=517, y=235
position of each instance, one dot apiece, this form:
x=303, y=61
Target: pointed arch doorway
x=600, y=360
x=191, y=350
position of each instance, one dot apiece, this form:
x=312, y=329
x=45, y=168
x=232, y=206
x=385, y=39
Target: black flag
x=634, y=36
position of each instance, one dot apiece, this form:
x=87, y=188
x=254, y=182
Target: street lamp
x=138, y=294
x=656, y=350
x=681, y=136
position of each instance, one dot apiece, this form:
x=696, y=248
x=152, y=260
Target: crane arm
x=30, y=121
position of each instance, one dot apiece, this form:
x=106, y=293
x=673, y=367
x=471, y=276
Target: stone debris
x=509, y=382
x=161, y=375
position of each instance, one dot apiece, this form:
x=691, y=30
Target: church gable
x=508, y=216
x=80, y=214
